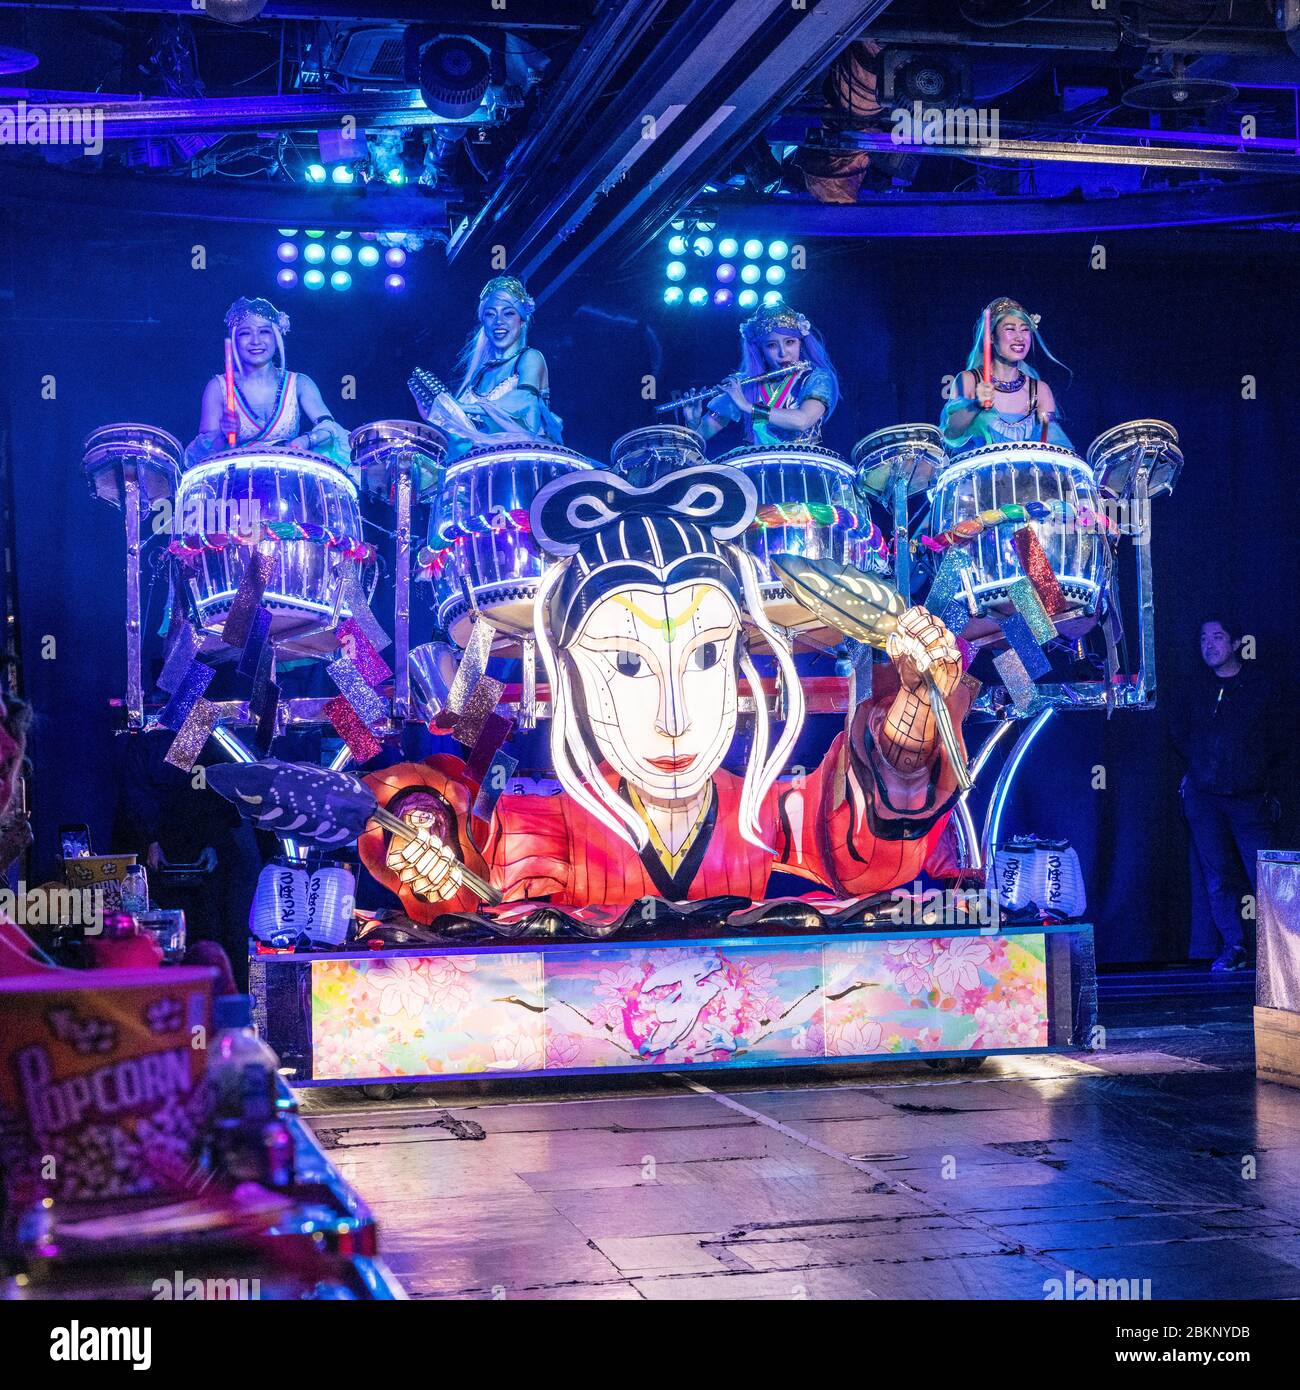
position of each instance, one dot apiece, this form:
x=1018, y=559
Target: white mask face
x=657, y=670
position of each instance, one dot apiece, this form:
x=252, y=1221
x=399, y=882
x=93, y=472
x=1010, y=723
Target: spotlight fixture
x=453, y=72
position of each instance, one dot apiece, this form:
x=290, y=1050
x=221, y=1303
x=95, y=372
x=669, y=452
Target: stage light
x=313, y=254
x=368, y=256
x=703, y=246
x=674, y=294
x=341, y=174
x=753, y=249
x=286, y=231
x=699, y=295
x=313, y=279
x=772, y=297
x=395, y=257
x=722, y=297
x=728, y=247
x=287, y=251
x=315, y=234
x=395, y=176
x=394, y=284
x=342, y=236
x=315, y=173
x=726, y=272
x=778, y=250
x=676, y=245
x=675, y=270
x=775, y=274
x=454, y=72
x=747, y=298
x=750, y=274
x=341, y=255
x=678, y=224
x=287, y=278
x=340, y=280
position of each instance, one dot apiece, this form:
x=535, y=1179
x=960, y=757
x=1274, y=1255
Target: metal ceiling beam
x=709, y=84
x=950, y=214
x=455, y=14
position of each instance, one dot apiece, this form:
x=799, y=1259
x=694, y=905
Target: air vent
x=373, y=55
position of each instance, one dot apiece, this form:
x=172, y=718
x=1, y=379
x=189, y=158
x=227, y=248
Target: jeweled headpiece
x=774, y=318
x=244, y=308
x=512, y=286
x=1001, y=308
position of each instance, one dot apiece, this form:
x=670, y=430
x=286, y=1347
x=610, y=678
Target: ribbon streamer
x=351, y=728
x=250, y=659
x=263, y=677
x=1017, y=632
x=472, y=668
x=359, y=695
x=955, y=616
x=500, y=770
x=355, y=602
x=947, y=581
x=528, y=686
x=189, y=690
x=182, y=651
x=482, y=703
x=193, y=735
x=248, y=598
x=1016, y=679
x=1030, y=607
x=264, y=709
x=1034, y=562
x=496, y=729
x=361, y=651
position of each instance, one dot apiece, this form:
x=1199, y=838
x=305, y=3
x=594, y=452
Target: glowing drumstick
x=988, y=347
x=230, y=388
x=868, y=610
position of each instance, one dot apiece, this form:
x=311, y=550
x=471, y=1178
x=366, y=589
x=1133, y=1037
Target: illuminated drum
x=643, y=456
x=484, y=558
x=981, y=480
x=808, y=506
x=1116, y=455
x=912, y=454
x=226, y=505
x=385, y=449
x=141, y=454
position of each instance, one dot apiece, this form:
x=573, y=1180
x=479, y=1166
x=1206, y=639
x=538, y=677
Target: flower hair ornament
x=773, y=319
x=1002, y=308
x=244, y=308
x=513, y=288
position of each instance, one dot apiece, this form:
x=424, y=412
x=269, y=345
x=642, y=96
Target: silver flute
x=707, y=395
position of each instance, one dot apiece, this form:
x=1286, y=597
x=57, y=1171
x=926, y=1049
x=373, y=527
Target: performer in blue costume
x=1016, y=404
x=790, y=408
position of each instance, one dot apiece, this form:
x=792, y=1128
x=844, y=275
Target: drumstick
x=230, y=388
x=1042, y=437
x=988, y=347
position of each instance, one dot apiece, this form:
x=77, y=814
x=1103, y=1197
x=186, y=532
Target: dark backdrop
x=108, y=315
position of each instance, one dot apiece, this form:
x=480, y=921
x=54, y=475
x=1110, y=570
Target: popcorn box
x=100, y=1075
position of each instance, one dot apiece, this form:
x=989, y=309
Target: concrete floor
x=1159, y=1157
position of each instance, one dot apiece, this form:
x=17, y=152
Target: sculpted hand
x=427, y=866
x=920, y=646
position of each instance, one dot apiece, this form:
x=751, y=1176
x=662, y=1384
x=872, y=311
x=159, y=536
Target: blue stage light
x=341, y=255
x=315, y=173
x=342, y=236
x=674, y=294
x=395, y=257
x=395, y=176
x=747, y=299
x=677, y=245
x=286, y=278
x=315, y=235
x=753, y=249
x=675, y=270
x=775, y=274
x=395, y=284
x=699, y=295
x=368, y=255
x=287, y=251
x=772, y=297
x=314, y=279
x=750, y=274
x=703, y=246
x=341, y=174
x=286, y=231
x=728, y=247
x=778, y=250
x=726, y=273
x=313, y=254
x=341, y=280
x=722, y=297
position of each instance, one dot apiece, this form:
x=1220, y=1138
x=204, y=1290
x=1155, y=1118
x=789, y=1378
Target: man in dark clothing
x=1229, y=731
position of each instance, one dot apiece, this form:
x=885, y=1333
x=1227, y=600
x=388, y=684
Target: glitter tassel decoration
x=1034, y=562
x=1016, y=679
x=193, y=735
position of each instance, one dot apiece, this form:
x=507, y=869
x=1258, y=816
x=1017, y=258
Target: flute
x=799, y=369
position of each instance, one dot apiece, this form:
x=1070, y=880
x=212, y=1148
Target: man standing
x=1229, y=730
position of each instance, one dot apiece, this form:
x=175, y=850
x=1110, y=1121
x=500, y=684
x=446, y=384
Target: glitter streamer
x=348, y=678
x=193, y=735
x=947, y=581
x=528, y=687
x=1016, y=679
x=355, y=602
x=264, y=711
x=1030, y=607
x=264, y=676
x=967, y=653
x=362, y=744
x=189, y=690
x=1018, y=633
x=248, y=598
x=496, y=729
x=250, y=659
x=500, y=771
x=955, y=616
x=1034, y=562
x=361, y=651
x=184, y=648
x=482, y=702
x=472, y=667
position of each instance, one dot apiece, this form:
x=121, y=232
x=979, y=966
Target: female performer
x=505, y=394
x=270, y=403
x=1015, y=404
x=643, y=624
x=787, y=409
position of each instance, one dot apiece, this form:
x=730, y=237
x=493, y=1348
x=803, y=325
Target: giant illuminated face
x=657, y=670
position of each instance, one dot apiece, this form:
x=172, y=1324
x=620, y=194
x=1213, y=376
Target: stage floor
x=1132, y=1163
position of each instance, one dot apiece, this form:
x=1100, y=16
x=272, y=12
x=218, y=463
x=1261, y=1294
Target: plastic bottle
x=331, y=897
x=279, y=913
x=241, y=1066
x=135, y=890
